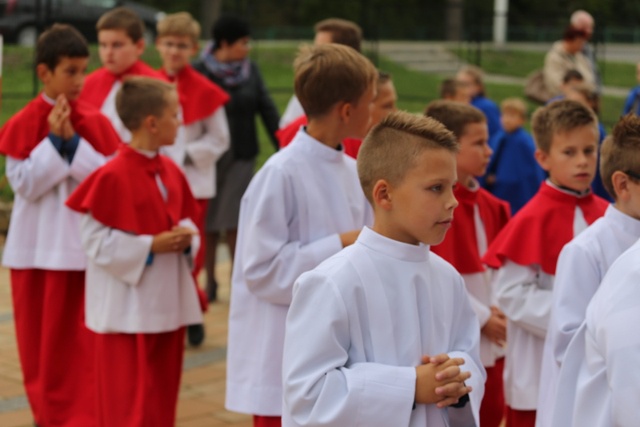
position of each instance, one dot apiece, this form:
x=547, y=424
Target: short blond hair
x=343, y=32
x=559, y=117
x=454, y=115
x=620, y=151
x=122, y=18
x=140, y=97
x=393, y=145
x=179, y=24
x=516, y=105
x=330, y=73
x=476, y=74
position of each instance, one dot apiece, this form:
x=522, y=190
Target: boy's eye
x=436, y=188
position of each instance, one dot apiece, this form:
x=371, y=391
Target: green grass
x=415, y=89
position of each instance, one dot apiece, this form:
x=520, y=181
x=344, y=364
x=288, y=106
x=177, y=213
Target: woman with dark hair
x=565, y=55
x=225, y=62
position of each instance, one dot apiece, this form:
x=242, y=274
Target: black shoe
x=195, y=334
x=212, y=291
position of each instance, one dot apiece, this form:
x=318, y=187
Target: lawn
x=415, y=89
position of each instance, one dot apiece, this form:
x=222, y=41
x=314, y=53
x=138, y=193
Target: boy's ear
x=620, y=182
x=43, y=72
x=344, y=110
x=381, y=194
x=150, y=123
x=542, y=158
x=140, y=45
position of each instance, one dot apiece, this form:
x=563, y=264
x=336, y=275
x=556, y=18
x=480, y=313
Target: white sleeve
x=620, y=345
x=521, y=298
x=271, y=260
x=577, y=280
x=34, y=176
x=213, y=142
x=293, y=111
x=86, y=160
x=120, y=254
x=318, y=388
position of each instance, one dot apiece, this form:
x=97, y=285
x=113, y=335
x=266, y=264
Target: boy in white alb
x=376, y=335
x=303, y=206
x=52, y=145
x=584, y=262
x=137, y=232
x=526, y=251
x=120, y=45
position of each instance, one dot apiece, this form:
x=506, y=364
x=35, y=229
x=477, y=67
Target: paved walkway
x=201, y=394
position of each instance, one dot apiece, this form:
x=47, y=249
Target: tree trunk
x=454, y=20
x=210, y=11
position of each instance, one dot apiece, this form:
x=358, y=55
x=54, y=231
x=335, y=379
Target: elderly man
x=582, y=20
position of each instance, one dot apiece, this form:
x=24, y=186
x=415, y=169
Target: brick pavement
x=201, y=401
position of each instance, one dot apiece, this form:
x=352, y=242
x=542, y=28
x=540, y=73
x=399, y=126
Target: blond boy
x=526, y=251
x=584, y=262
x=376, y=335
x=137, y=230
x=513, y=174
x=454, y=90
x=303, y=206
x=120, y=45
x=204, y=134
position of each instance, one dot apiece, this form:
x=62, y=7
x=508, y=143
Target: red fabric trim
x=351, y=147
x=460, y=245
x=493, y=409
x=541, y=228
x=287, y=133
x=199, y=97
x=124, y=194
x=262, y=421
x=98, y=84
x=24, y=131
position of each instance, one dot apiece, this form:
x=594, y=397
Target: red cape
x=123, y=194
x=351, y=146
x=98, y=84
x=24, y=131
x=541, y=228
x=199, y=97
x=460, y=245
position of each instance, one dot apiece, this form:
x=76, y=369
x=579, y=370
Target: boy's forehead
x=78, y=61
x=114, y=34
x=577, y=136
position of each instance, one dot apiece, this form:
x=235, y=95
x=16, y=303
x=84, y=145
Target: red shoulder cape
x=98, y=84
x=285, y=135
x=124, y=194
x=541, y=228
x=24, y=131
x=199, y=97
x=460, y=245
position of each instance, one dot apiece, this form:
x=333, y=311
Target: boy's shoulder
x=24, y=130
x=497, y=205
x=199, y=96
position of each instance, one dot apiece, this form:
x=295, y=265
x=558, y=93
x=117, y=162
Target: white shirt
x=582, y=264
x=108, y=108
x=608, y=381
x=43, y=231
x=524, y=295
x=359, y=325
x=197, y=148
x=290, y=219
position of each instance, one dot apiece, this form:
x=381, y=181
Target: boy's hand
x=496, y=327
x=59, y=114
x=176, y=240
x=349, y=238
x=439, y=380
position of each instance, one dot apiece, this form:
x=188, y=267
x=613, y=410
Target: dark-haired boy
x=303, y=206
x=51, y=145
x=526, y=251
x=120, y=45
